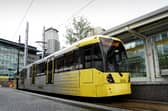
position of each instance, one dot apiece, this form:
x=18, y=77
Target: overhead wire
x=78, y=11
x=73, y=15
x=22, y=19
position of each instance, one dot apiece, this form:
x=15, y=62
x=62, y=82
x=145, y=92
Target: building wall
x=139, y=58
x=148, y=63
x=8, y=59
x=152, y=92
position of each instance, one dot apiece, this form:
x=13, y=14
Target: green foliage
x=79, y=30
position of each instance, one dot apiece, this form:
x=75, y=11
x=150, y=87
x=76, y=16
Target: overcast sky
x=58, y=14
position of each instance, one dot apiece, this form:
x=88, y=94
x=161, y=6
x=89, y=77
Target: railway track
x=138, y=105
x=116, y=102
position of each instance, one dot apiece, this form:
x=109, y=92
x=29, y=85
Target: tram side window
x=25, y=73
x=50, y=66
x=69, y=61
x=50, y=72
x=31, y=71
x=97, y=58
x=60, y=64
x=40, y=68
x=55, y=65
x=45, y=68
x=77, y=62
x=87, y=57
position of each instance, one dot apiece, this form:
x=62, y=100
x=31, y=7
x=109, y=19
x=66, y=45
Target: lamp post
x=17, y=77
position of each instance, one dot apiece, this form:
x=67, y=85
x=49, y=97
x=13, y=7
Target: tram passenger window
x=55, y=65
x=60, y=64
x=97, y=58
x=30, y=71
x=25, y=73
x=77, y=63
x=34, y=69
x=50, y=66
x=68, y=61
x=87, y=59
x=22, y=76
x=45, y=68
x=39, y=68
x=50, y=72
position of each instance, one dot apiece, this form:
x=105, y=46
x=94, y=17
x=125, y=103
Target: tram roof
x=83, y=42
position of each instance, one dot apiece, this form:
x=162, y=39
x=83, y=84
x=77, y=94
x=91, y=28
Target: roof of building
x=51, y=28
x=11, y=43
x=140, y=21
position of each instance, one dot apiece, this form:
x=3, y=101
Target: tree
x=79, y=30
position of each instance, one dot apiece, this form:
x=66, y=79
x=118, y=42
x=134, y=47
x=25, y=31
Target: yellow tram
x=92, y=67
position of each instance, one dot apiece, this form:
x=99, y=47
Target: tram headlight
x=110, y=78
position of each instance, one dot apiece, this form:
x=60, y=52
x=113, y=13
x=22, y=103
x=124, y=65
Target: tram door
x=49, y=72
x=33, y=73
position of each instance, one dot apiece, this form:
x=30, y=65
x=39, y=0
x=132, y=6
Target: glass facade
x=136, y=58
x=161, y=42
x=9, y=57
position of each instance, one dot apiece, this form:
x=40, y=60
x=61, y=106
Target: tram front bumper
x=113, y=89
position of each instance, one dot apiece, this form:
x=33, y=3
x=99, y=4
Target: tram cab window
x=114, y=55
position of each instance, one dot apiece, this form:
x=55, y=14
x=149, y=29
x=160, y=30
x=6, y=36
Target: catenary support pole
x=17, y=76
x=26, y=44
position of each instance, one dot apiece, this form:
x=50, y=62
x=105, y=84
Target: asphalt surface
x=15, y=100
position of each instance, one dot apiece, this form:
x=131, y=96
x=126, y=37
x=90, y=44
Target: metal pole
x=43, y=43
x=26, y=44
x=17, y=76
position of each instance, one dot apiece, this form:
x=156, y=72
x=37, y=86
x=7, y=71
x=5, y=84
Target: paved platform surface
x=15, y=100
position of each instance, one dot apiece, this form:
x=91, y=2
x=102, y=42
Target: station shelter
x=146, y=42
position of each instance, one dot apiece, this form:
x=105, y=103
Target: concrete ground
x=15, y=100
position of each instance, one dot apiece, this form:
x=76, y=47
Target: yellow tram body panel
x=93, y=83
x=113, y=90
x=67, y=83
x=92, y=40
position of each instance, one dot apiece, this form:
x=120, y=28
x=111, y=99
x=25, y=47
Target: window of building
x=136, y=58
x=161, y=41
